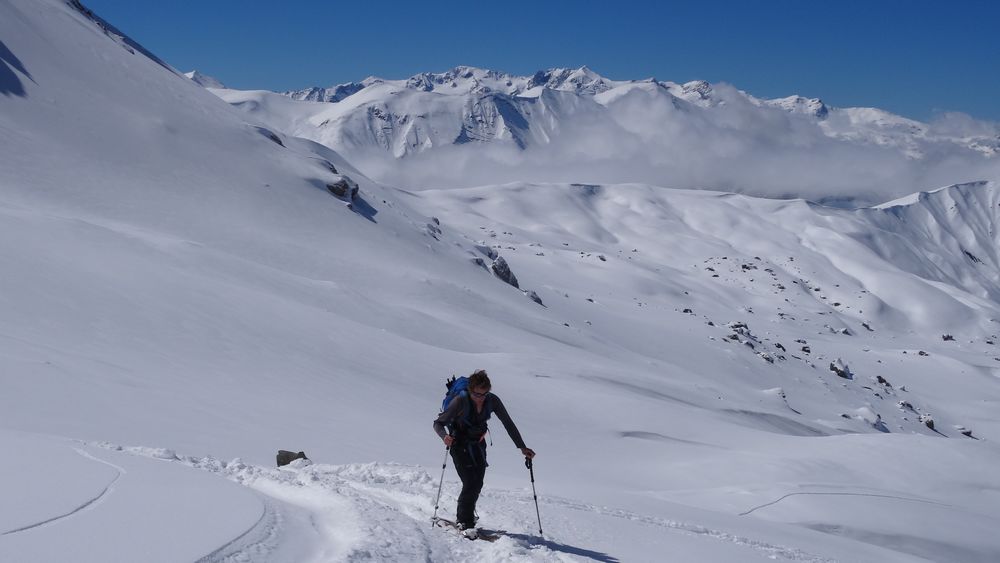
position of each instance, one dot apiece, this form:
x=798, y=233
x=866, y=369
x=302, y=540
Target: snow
x=204, y=80
x=67, y=500
x=181, y=297
x=470, y=126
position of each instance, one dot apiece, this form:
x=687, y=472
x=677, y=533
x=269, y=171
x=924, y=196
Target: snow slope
x=181, y=296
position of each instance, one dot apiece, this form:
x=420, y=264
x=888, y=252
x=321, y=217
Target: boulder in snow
x=285, y=457
x=927, y=420
x=841, y=369
x=502, y=271
x=343, y=187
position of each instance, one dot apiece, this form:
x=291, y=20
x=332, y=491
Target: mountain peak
x=204, y=80
x=581, y=80
x=799, y=104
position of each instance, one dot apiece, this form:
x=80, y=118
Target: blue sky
x=917, y=58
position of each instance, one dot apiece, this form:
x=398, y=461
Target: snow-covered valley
x=705, y=376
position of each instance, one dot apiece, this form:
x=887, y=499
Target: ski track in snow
x=770, y=550
x=393, y=504
x=256, y=543
x=773, y=502
x=91, y=503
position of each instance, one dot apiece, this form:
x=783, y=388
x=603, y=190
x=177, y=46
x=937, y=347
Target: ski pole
x=530, y=466
x=440, y=483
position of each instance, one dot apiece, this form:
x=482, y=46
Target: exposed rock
x=927, y=420
x=502, y=271
x=841, y=369
x=433, y=230
x=534, y=297
x=343, y=187
x=487, y=251
x=285, y=457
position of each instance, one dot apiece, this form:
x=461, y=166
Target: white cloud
x=734, y=146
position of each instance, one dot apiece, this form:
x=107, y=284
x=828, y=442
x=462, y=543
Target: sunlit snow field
x=180, y=297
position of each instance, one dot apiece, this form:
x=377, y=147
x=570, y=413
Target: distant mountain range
x=474, y=105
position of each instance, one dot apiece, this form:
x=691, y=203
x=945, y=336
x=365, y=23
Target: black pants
x=470, y=462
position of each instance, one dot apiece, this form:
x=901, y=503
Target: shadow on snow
x=563, y=548
x=9, y=81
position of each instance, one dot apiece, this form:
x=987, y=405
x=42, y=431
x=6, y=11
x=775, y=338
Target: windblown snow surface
x=708, y=376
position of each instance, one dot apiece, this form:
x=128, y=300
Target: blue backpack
x=456, y=387
x=459, y=387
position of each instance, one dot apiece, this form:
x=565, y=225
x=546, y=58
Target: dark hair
x=479, y=379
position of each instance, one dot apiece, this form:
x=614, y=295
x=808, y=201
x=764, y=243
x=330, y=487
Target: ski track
x=91, y=503
x=773, y=502
x=768, y=549
x=256, y=543
x=392, y=505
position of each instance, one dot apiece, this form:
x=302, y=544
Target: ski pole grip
x=527, y=462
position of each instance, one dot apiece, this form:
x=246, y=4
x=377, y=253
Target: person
x=462, y=427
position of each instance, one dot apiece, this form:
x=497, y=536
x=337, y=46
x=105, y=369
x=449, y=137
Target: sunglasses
x=478, y=395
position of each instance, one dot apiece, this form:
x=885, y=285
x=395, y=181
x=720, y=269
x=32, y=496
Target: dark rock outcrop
x=344, y=187
x=502, y=271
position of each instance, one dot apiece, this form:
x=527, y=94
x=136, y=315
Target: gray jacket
x=455, y=416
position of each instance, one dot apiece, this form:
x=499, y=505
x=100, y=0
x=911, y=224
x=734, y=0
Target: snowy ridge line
x=847, y=495
x=90, y=503
x=772, y=551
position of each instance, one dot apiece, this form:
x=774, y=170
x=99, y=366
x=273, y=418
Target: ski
x=485, y=535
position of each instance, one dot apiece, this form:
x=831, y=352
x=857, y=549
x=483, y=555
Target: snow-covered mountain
x=204, y=80
x=470, y=126
x=705, y=374
x=472, y=88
